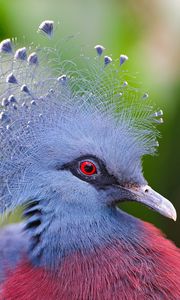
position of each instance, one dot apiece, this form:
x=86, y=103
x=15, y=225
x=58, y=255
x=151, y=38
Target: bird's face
x=86, y=165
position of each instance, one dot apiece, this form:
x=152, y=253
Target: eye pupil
x=88, y=168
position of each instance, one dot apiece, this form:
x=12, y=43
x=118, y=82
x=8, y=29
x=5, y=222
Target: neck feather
x=54, y=237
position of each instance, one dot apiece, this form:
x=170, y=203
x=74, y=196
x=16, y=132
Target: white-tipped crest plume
x=39, y=102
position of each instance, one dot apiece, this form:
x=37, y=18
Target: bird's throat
x=54, y=238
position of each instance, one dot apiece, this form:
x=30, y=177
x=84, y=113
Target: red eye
x=88, y=168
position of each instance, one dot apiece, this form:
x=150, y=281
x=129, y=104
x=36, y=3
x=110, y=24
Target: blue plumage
x=72, y=144
x=46, y=119
x=13, y=243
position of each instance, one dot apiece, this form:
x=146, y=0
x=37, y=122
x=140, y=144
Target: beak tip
x=174, y=216
x=172, y=213
x=169, y=211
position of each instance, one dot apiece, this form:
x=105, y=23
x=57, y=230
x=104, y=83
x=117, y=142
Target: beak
x=146, y=195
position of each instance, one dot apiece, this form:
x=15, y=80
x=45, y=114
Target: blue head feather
x=50, y=117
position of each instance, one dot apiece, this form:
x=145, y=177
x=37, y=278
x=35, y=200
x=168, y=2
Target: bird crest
x=46, y=99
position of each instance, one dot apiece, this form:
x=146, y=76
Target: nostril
x=146, y=191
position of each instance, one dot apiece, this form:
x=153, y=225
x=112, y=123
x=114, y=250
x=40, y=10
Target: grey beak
x=146, y=195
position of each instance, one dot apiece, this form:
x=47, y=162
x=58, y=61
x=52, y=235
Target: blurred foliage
x=148, y=32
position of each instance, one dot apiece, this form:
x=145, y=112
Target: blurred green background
x=149, y=33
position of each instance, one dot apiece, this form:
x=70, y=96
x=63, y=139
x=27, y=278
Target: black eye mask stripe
x=101, y=179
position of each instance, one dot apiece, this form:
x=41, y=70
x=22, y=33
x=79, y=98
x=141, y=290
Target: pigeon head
x=72, y=141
